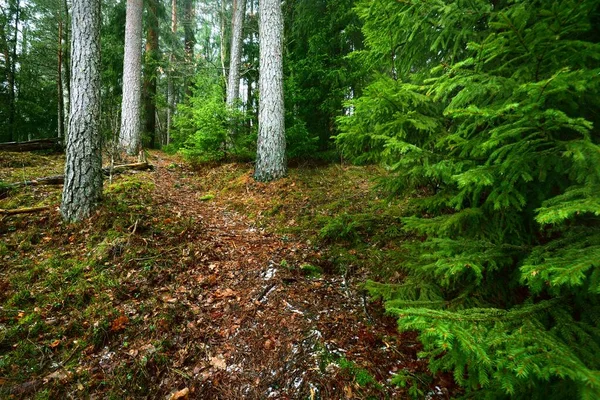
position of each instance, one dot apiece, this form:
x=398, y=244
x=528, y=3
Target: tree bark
x=150, y=71
x=233, y=85
x=190, y=41
x=270, y=156
x=222, y=41
x=130, y=138
x=67, y=62
x=12, y=111
x=59, y=83
x=83, y=168
x=170, y=86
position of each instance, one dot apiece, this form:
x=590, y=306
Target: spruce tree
x=487, y=111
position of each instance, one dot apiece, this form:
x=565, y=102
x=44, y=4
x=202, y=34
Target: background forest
x=484, y=113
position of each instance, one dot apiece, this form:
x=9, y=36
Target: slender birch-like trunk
x=131, y=139
x=83, y=169
x=270, y=155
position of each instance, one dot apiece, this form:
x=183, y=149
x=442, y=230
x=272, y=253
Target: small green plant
x=311, y=271
x=5, y=189
x=361, y=376
x=207, y=197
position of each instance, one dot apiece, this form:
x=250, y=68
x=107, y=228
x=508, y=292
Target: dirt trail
x=255, y=326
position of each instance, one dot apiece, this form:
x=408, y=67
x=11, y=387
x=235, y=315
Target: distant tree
x=83, y=170
x=152, y=59
x=270, y=155
x=130, y=139
x=171, y=94
x=11, y=60
x=237, y=22
x=189, y=25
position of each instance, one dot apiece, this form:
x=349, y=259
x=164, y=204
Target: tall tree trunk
x=222, y=40
x=131, y=139
x=170, y=86
x=233, y=85
x=12, y=109
x=270, y=156
x=7, y=67
x=83, y=170
x=66, y=64
x=67, y=59
x=190, y=40
x=59, y=83
x=150, y=71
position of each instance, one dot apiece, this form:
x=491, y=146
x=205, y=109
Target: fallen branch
x=41, y=144
x=60, y=179
x=27, y=210
x=117, y=169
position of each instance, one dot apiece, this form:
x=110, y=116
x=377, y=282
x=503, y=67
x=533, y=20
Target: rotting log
x=40, y=144
x=27, y=210
x=60, y=179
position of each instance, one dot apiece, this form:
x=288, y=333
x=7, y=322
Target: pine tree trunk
x=130, y=139
x=170, y=86
x=67, y=62
x=150, y=71
x=59, y=84
x=190, y=41
x=7, y=67
x=222, y=40
x=83, y=170
x=270, y=156
x=12, y=109
x=233, y=86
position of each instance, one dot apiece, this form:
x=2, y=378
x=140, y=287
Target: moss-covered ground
x=201, y=283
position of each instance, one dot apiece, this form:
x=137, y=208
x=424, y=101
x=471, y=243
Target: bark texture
x=233, y=85
x=152, y=60
x=270, y=156
x=170, y=86
x=189, y=23
x=131, y=138
x=59, y=84
x=83, y=170
x=12, y=72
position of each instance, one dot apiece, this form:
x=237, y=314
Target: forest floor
x=197, y=282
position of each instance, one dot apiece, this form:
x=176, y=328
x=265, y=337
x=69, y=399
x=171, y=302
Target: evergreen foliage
x=488, y=113
x=203, y=125
x=318, y=76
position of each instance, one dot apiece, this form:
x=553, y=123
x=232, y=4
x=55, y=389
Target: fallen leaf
x=181, y=394
x=224, y=293
x=119, y=323
x=348, y=392
x=169, y=299
x=54, y=344
x=218, y=362
x=59, y=375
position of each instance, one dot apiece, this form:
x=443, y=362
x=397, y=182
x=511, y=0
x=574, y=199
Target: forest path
x=257, y=326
